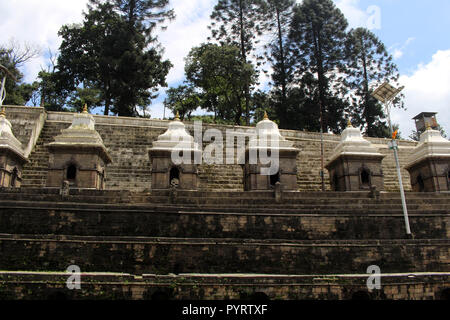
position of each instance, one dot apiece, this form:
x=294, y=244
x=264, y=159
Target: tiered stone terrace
x=218, y=242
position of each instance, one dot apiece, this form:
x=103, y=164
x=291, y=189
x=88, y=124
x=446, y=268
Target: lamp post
x=386, y=94
x=321, y=148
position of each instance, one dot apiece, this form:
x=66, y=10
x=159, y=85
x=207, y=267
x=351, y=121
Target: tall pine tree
x=239, y=23
x=369, y=66
x=107, y=53
x=279, y=15
x=318, y=35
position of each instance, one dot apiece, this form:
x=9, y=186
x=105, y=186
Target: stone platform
x=112, y=286
x=219, y=242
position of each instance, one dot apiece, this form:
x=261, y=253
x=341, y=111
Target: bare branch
x=19, y=54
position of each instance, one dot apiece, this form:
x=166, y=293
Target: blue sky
x=414, y=31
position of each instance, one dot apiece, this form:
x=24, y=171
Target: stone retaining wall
x=129, y=138
x=41, y=286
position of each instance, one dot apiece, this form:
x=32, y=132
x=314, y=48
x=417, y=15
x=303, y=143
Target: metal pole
x=399, y=174
x=2, y=91
x=321, y=147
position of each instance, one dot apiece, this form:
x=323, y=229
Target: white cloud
x=369, y=18
x=188, y=30
x=356, y=17
x=397, y=54
x=38, y=22
x=399, y=49
x=427, y=89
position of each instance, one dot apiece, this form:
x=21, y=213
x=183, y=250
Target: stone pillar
x=78, y=156
x=173, y=156
x=12, y=158
x=268, y=141
x=355, y=164
x=429, y=165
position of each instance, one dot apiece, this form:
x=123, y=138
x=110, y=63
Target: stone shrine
x=355, y=164
x=12, y=158
x=268, y=141
x=78, y=155
x=167, y=173
x=429, y=165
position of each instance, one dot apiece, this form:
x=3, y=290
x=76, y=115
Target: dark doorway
x=360, y=295
x=274, y=178
x=14, y=176
x=259, y=296
x=365, y=178
x=420, y=183
x=448, y=179
x=71, y=172
x=336, y=183
x=160, y=296
x=174, y=177
x=57, y=295
x=445, y=294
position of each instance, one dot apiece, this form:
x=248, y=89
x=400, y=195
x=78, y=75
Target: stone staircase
x=130, y=169
x=222, y=232
x=35, y=172
x=219, y=229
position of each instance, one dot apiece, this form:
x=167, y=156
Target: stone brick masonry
x=218, y=242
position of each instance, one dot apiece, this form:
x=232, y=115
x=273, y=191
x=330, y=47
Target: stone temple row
x=78, y=158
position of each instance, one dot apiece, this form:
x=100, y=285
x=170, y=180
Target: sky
x=414, y=31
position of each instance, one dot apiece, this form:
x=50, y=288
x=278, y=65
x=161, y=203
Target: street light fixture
x=386, y=95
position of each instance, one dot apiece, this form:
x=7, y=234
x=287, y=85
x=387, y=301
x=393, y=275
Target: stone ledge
x=223, y=241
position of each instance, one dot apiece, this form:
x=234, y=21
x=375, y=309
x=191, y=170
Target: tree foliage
x=222, y=76
x=112, y=57
x=369, y=66
x=278, y=15
x=13, y=56
x=239, y=23
x=183, y=99
x=318, y=33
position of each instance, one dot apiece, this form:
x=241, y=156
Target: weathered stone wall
x=201, y=255
x=41, y=286
x=128, y=140
x=102, y=220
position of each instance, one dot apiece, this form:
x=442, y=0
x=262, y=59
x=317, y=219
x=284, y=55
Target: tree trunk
x=366, y=90
x=321, y=77
x=244, y=59
x=282, y=58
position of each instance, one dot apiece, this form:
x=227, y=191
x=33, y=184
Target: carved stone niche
x=78, y=156
x=173, y=157
x=429, y=165
x=355, y=164
x=12, y=158
x=268, y=141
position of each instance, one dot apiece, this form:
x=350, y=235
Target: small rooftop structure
x=425, y=119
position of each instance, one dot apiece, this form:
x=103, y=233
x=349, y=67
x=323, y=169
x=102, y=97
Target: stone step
x=209, y=255
x=117, y=214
